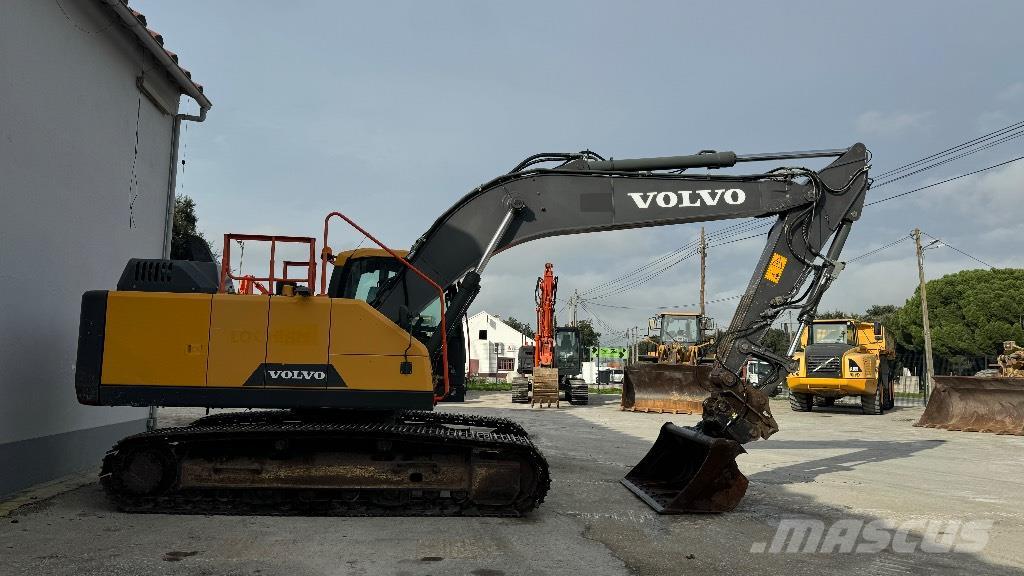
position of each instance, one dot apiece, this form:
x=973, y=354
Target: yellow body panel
x=367, y=349
x=168, y=339
x=156, y=339
x=299, y=331
x=238, y=338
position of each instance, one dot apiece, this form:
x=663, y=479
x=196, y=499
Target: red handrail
x=407, y=264
x=271, y=278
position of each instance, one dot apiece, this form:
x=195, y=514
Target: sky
x=392, y=111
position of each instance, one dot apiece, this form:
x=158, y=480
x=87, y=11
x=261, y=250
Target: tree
x=588, y=336
x=185, y=227
x=971, y=313
x=881, y=313
x=836, y=315
x=520, y=326
x=777, y=341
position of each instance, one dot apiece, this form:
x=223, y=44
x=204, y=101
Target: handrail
x=407, y=264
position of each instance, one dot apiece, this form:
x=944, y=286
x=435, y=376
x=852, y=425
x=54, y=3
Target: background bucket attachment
x=672, y=388
x=687, y=471
x=976, y=404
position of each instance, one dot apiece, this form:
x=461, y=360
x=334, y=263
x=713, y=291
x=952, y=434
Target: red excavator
x=552, y=366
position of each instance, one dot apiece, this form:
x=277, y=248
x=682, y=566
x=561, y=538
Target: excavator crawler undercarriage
x=282, y=462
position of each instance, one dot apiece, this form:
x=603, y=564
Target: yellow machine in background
x=661, y=384
x=840, y=358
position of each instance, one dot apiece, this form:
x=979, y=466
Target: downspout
x=172, y=174
x=172, y=180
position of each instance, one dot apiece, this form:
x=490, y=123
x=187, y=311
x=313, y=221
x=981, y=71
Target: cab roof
x=359, y=253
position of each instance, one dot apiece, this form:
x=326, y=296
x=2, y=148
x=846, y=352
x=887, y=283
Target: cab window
x=833, y=334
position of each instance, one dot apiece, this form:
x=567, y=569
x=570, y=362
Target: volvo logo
x=688, y=198
x=297, y=374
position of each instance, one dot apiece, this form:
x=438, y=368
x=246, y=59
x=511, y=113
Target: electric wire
x=948, y=245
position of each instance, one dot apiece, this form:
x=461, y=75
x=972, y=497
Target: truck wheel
x=890, y=397
x=520, y=390
x=872, y=403
x=800, y=402
x=822, y=401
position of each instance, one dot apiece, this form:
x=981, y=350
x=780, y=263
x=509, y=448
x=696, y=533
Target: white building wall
x=77, y=202
x=482, y=349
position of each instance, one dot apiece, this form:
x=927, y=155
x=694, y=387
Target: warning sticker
x=775, y=267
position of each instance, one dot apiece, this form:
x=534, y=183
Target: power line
x=950, y=159
x=901, y=194
x=676, y=306
x=954, y=149
x=881, y=248
x=948, y=245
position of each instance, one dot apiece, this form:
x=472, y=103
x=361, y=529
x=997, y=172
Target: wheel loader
x=348, y=385
x=844, y=357
x=992, y=401
x=665, y=383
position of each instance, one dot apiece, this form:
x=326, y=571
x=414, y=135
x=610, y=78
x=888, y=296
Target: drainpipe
x=172, y=174
x=172, y=179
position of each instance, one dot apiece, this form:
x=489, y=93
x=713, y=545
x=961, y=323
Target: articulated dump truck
x=843, y=357
x=991, y=401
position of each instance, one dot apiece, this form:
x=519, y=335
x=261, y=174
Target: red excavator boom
x=547, y=285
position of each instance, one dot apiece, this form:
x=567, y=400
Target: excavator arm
x=815, y=211
x=688, y=469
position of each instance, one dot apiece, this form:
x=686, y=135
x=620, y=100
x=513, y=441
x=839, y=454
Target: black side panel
x=158, y=275
x=263, y=398
x=525, y=360
x=89, y=364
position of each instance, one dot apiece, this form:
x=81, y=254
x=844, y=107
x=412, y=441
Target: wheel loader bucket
x=976, y=404
x=672, y=388
x=688, y=472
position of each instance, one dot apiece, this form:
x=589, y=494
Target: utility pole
x=703, y=257
x=929, y=367
x=573, y=300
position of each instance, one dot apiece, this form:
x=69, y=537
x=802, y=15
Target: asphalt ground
x=835, y=468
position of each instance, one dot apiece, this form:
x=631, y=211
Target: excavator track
x=278, y=462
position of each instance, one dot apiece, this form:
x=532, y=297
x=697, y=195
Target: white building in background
x=89, y=124
x=493, y=346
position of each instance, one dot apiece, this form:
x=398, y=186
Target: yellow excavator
x=349, y=376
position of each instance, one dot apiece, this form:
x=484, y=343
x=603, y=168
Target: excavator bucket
x=688, y=472
x=672, y=388
x=976, y=404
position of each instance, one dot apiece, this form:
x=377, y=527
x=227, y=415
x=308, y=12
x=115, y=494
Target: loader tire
x=800, y=402
x=873, y=403
x=821, y=401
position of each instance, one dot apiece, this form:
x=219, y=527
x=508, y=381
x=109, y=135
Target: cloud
x=992, y=199
x=993, y=120
x=887, y=124
x=1011, y=92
